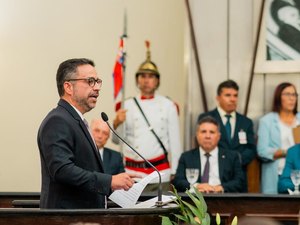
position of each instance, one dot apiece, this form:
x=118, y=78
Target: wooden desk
x=6, y=198
x=284, y=208
x=281, y=207
x=13, y=216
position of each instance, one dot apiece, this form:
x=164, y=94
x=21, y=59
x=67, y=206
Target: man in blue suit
x=292, y=163
x=236, y=130
x=112, y=160
x=219, y=169
x=72, y=171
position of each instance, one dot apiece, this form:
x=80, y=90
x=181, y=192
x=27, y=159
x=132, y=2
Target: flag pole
x=124, y=39
x=124, y=55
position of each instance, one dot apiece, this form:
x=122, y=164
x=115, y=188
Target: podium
x=15, y=207
x=117, y=216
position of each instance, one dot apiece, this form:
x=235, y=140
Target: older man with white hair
x=112, y=160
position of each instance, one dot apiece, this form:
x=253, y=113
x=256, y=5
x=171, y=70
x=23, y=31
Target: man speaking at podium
x=72, y=170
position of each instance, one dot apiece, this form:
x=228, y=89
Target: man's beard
x=84, y=104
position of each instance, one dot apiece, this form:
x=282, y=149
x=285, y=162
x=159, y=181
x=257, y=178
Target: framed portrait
x=279, y=41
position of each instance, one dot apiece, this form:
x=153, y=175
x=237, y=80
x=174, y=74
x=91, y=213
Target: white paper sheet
x=127, y=199
x=151, y=202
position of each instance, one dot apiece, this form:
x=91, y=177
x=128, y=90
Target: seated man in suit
x=112, y=160
x=236, y=130
x=292, y=162
x=220, y=169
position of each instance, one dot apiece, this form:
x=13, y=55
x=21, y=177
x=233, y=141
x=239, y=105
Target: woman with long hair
x=275, y=135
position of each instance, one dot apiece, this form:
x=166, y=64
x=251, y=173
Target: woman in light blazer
x=275, y=135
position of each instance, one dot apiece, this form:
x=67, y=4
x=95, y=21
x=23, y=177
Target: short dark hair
x=277, y=105
x=208, y=119
x=227, y=84
x=68, y=70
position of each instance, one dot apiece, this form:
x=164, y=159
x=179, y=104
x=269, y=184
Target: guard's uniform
x=162, y=115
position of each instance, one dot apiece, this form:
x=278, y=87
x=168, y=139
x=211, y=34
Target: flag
x=118, y=76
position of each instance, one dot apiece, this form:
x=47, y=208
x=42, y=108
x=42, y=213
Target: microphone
x=159, y=202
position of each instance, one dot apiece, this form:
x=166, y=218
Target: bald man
x=112, y=160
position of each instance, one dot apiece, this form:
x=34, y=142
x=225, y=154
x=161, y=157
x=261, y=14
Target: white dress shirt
x=101, y=150
x=214, y=176
x=224, y=119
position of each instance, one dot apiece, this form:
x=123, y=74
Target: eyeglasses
x=294, y=95
x=90, y=80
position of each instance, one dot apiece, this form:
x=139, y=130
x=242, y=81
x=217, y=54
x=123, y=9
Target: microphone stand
x=159, y=202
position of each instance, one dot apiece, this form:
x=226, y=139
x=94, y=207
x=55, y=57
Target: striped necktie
x=205, y=175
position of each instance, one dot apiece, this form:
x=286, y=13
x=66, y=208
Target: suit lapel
x=221, y=158
x=75, y=115
x=89, y=137
x=276, y=131
x=238, y=124
x=222, y=127
x=196, y=163
x=106, y=160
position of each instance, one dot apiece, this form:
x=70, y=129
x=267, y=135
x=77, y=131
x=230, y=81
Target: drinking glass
x=295, y=176
x=192, y=175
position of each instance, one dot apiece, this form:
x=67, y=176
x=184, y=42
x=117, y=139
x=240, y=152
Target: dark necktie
x=228, y=126
x=205, y=176
x=88, y=128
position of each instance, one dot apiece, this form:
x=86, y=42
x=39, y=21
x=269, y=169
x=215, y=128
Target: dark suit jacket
x=231, y=175
x=246, y=151
x=113, y=162
x=72, y=171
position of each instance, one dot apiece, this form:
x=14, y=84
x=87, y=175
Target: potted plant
x=192, y=214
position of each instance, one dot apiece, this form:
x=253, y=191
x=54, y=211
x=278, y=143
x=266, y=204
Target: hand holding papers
x=159, y=199
x=128, y=199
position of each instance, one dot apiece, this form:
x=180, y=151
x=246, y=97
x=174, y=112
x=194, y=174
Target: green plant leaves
x=218, y=219
x=234, y=221
x=199, y=202
x=166, y=221
x=192, y=214
x=195, y=211
x=200, y=197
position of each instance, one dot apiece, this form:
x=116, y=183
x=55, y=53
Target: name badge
x=242, y=137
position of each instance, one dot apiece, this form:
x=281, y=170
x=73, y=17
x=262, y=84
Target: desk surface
x=281, y=207
x=227, y=202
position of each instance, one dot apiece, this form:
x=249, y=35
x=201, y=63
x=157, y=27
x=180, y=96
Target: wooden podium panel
x=281, y=207
x=119, y=216
x=6, y=198
x=254, y=171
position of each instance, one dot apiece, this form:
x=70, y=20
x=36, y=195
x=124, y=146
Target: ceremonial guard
x=151, y=126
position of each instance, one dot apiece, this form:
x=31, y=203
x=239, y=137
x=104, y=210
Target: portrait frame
x=291, y=61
